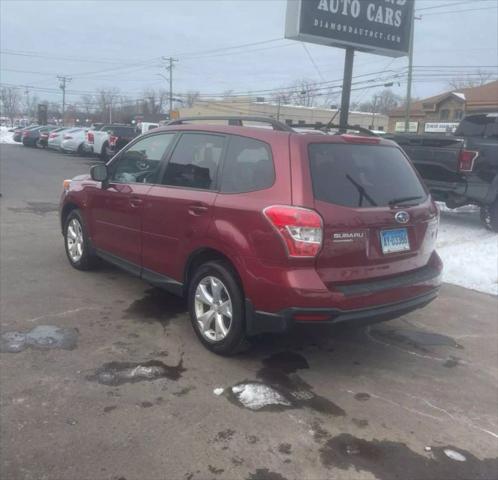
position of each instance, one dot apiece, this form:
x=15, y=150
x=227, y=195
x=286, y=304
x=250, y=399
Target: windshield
x=363, y=176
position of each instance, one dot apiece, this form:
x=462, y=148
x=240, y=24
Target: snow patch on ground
x=257, y=395
x=469, y=251
x=6, y=136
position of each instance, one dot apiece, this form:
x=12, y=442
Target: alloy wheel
x=75, y=241
x=213, y=309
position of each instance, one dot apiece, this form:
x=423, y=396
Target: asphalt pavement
x=104, y=378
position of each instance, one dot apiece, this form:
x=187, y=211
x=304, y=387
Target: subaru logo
x=402, y=217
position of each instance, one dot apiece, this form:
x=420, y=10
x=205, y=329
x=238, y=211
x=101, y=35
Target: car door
x=116, y=210
x=178, y=212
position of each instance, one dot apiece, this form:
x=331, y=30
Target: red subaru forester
x=260, y=228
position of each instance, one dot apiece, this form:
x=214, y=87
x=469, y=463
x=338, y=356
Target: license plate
x=393, y=241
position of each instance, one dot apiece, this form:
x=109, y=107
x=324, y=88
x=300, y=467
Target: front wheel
x=489, y=216
x=216, y=306
x=78, y=248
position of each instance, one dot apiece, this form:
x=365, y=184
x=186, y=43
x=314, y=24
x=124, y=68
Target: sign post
x=382, y=27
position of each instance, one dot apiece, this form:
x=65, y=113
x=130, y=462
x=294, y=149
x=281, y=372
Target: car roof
x=267, y=134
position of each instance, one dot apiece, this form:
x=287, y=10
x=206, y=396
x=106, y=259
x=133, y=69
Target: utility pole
x=346, y=89
x=169, y=67
x=278, y=109
x=64, y=81
x=410, y=74
x=26, y=92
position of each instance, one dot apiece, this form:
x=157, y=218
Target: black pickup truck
x=460, y=169
x=119, y=137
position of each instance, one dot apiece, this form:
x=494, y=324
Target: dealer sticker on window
x=393, y=241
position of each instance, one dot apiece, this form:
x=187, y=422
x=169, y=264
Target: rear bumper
x=264, y=322
x=301, y=297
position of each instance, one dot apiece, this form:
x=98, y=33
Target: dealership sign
x=375, y=26
x=400, y=127
x=444, y=127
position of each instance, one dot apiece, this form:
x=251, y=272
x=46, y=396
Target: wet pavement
x=103, y=378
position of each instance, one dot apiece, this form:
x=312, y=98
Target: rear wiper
x=397, y=201
x=361, y=190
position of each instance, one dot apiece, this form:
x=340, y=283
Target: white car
x=73, y=141
x=55, y=138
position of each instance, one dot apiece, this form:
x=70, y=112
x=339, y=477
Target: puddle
x=285, y=448
x=393, y=461
x=265, y=474
x=40, y=337
x=224, y=435
x=118, y=373
x=156, y=306
x=279, y=388
x=37, y=208
x=362, y=397
x=415, y=339
x=360, y=422
x=215, y=471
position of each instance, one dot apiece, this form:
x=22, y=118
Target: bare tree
x=31, y=106
x=475, y=79
x=191, y=98
x=87, y=104
x=105, y=100
x=154, y=100
x=10, y=102
x=382, y=102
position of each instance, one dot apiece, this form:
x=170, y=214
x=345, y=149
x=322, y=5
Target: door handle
x=197, y=209
x=135, y=201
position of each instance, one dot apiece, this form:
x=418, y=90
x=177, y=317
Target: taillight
x=466, y=160
x=112, y=140
x=89, y=137
x=52, y=135
x=25, y=134
x=359, y=139
x=300, y=228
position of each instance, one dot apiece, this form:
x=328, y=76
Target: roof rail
x=236, y=120
x=331, y=126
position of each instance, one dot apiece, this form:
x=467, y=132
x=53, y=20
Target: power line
x=458, y=11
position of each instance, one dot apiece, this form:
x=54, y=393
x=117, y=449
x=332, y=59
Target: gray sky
x=120, y=43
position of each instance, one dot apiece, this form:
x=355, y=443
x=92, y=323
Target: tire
x=80, y=150
x=85, y=258
x=489, y=216
x=103, y=153
x=227, y=290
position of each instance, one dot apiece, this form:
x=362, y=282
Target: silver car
x=55, y=138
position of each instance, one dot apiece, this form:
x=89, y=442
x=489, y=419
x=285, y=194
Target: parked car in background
x=119, y=137
x=73, y=141
x=460, y=169
x=44, y=135
x=344, y=232
x=18, y=133
x=31, y=137
x=97, y=140
x=55, y=138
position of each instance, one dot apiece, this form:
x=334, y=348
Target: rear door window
x=363, y=175
x=475, y=126
x=195, y=161
x=248, y=166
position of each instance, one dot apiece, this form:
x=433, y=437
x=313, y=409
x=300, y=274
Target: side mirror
x=99, y=173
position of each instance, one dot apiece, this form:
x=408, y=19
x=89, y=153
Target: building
x=290, y=114
x=442, y=113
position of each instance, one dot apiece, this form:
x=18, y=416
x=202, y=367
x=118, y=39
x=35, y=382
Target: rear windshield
x=122, y=131
x=363, y=175
x=478, y=126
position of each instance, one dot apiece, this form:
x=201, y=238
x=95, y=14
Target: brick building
x=442, y=113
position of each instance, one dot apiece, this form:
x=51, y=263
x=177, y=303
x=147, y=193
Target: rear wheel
x=103, y=153
x=489, y=216
x=216, y=306
x=80, y=150
x=79, y=251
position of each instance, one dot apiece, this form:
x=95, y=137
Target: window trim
x=162, y=160
x=268, y=145
x=216, y=183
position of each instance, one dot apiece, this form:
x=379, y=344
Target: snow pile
x=257, y=395
x=6, y=136
x=469, y=251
